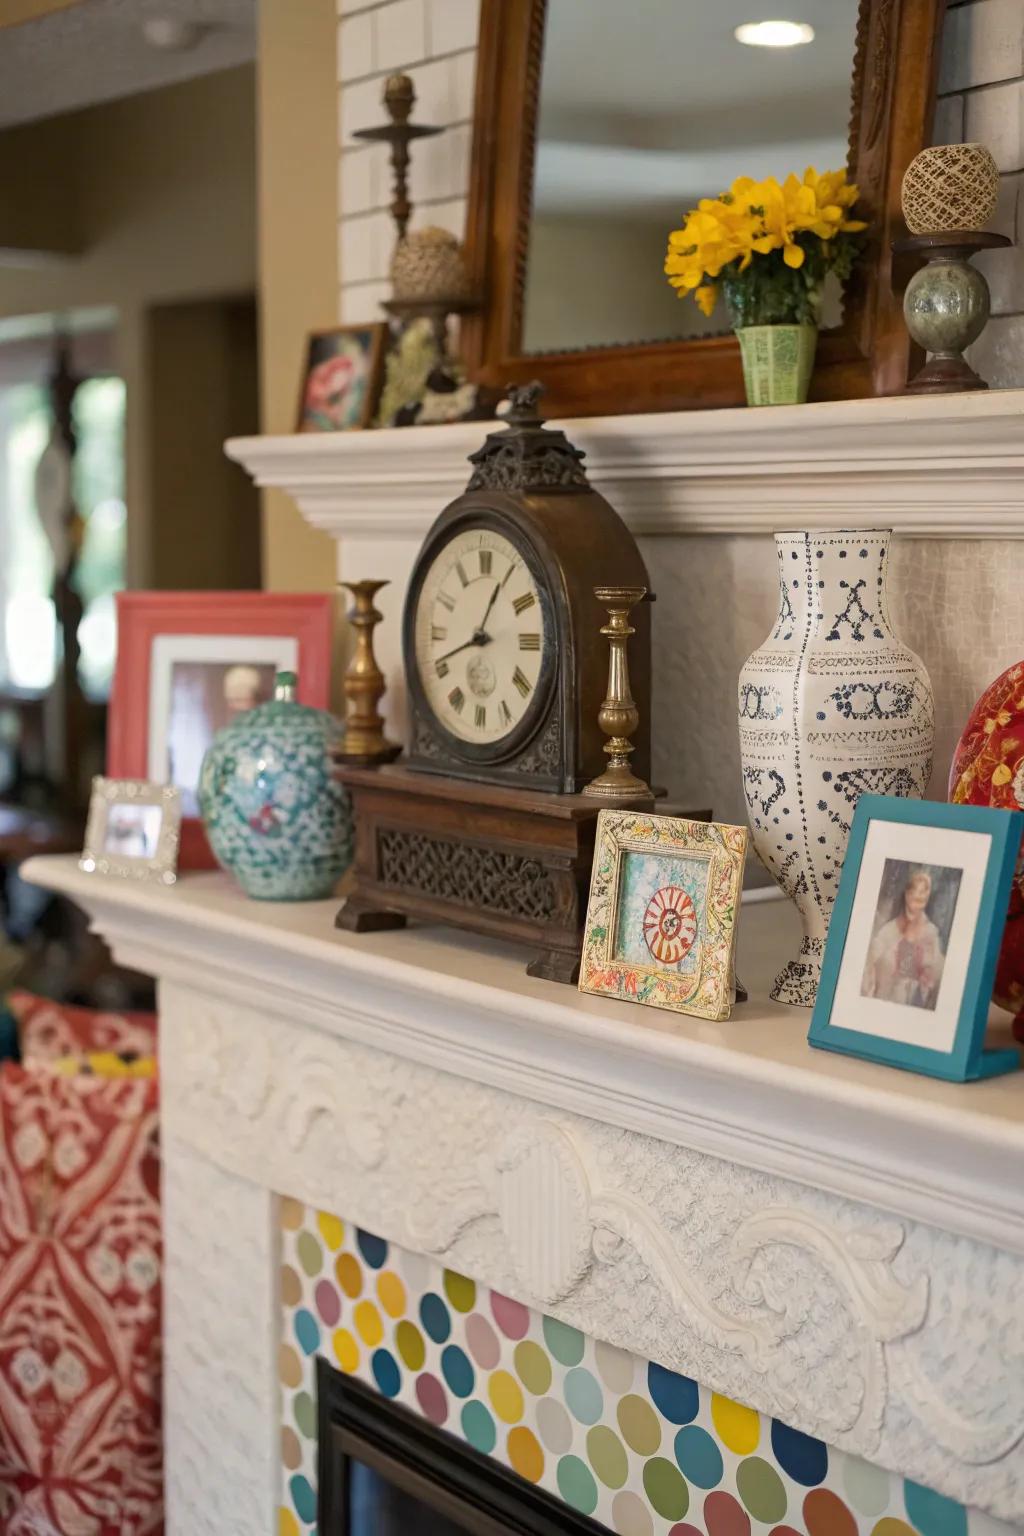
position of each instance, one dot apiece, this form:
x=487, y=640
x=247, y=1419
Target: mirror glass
x=646, y=107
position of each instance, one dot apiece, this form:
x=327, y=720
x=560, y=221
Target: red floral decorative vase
x=988, y=769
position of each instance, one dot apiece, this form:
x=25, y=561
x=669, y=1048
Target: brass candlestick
x=618, y=716
x=364, y=742
x=399, y=98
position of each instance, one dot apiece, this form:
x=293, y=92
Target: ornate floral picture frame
x=133, y=830
x=661, y=920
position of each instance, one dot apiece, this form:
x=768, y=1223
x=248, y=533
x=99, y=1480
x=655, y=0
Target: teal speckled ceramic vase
x=274, y=815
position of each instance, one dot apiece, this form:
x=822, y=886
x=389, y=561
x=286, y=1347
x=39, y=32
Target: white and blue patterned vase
x=832, y=706
x=273, y=812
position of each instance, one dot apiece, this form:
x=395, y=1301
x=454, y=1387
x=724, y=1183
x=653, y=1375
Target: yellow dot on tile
x=525, y=1454
x=346, y=1350
x=331, y=1230
x=287, y=1525
x=350, y=1276
x=738, y=1427
x=368, y=1323
x=392, y=1293
x=506, y=1396
x=293, y=1214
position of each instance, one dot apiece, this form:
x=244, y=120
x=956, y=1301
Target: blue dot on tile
x=583, y=1396
x=932, y=1513
x=386, y=1373
x=307, y=1331
x=478, y=1427
x=434, y=1317
x=801, y=1456
x=676, y=1396
x=699, y=1458
x=303, y=1499
x=373, y=1249
x=457, y=1371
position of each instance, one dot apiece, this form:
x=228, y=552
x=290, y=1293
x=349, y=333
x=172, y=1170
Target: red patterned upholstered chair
x=80, y=1303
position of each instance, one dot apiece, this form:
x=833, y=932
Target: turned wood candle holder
x=364, y=743
x=946, y=306
x=618, y=716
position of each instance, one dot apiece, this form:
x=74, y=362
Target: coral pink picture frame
x=307, y=618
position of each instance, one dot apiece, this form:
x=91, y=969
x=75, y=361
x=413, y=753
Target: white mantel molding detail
x=944, y=466
x=795, y=1230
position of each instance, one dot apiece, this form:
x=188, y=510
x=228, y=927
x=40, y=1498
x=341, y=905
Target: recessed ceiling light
x=774, y=34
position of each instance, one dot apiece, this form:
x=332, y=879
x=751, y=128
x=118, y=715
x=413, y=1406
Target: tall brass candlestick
x=618, y=716
x=364, y=684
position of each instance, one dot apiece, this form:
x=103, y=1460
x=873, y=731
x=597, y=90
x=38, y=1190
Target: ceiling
x=650, y=105
x=95, y=50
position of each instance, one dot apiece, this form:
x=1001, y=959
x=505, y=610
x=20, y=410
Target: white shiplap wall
x=434, y=41
x=981, y=97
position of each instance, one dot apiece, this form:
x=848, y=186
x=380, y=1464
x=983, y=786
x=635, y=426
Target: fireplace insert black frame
x=436, y=1468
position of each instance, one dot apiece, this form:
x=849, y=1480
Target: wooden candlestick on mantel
x=618, y=716
x=364, y=742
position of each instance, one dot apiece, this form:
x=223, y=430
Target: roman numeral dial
x=481, y=637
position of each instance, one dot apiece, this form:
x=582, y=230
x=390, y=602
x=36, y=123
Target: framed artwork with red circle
x=188, y=663
x=661, y=920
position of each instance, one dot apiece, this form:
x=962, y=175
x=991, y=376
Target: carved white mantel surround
x=832, y=1242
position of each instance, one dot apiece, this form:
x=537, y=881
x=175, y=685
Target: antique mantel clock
x=484, y=824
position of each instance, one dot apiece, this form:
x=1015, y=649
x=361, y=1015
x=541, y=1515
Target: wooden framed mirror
x=599, y=122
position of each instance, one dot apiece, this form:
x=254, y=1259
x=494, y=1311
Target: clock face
x=480, y=637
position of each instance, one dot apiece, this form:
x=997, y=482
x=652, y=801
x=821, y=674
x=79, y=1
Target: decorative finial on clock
x=523, y=400
x=618, y=716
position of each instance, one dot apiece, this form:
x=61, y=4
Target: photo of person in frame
x=913, y=920
x=206, y=696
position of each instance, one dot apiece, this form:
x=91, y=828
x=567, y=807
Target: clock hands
x=494, y=598
x=479, y=635
x=478, y=638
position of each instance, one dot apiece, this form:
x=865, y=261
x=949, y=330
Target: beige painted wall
x=298, y=221
x=158, y=194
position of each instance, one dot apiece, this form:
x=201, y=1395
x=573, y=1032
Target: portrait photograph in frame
x=133, y=830
x=661, y=919
x=342, y=377
x=188, y=663
x=914, y=938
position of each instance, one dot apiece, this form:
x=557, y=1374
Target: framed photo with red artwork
x=188, y=663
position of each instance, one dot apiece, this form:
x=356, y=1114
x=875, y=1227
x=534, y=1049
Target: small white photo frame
x=133, y=830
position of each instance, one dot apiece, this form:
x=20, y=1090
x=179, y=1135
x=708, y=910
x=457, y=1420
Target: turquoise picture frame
x=967, y=1060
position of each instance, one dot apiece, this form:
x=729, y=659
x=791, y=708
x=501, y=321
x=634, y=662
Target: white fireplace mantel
x=835, y=1243
x=944, y=466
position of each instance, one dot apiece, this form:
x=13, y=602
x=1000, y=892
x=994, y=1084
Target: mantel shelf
x=749, y=1090
x=943, y=466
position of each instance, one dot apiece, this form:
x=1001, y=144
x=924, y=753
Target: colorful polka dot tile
x=639, y=1448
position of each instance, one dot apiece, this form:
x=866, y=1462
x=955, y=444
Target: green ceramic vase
x=778, y=361
x=274, y=814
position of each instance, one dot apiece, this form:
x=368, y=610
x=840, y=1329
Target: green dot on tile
x=565, y=1343
x=607, y=1456
x=304, y=1410
x=576, y=1485
x=761, y=1489
x=311, y=1255
x=666, y=1488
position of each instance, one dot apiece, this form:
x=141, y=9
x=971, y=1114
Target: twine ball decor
x=953, y=186
x=428, y=267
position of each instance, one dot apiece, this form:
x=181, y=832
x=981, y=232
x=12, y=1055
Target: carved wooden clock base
x=508, y=863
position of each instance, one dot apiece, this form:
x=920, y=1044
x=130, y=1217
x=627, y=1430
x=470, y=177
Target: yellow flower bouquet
x=767, y=248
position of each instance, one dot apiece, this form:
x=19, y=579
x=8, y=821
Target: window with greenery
x=28, y=631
